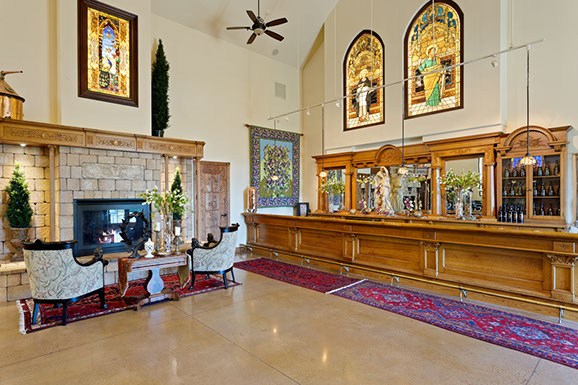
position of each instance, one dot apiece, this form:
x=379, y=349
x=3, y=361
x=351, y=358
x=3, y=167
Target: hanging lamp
x=402, y=170
x=527, y=160
x=323, y=173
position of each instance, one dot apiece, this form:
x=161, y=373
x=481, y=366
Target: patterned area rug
x=49, y=316
x=542, y=339
x=297, y=275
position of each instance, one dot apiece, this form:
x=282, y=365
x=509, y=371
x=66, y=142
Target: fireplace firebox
x=97, y=223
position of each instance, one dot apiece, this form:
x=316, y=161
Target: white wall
x=494, y=98
x=215, y=88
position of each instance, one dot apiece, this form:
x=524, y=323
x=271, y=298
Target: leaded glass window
x=433, y=43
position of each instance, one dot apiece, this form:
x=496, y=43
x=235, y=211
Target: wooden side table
x=154, y=284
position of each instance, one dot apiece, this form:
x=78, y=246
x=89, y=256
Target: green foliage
x=166, y=205
x=177, y=188
x=18, y=212
x=466, y=181
x=333, y=186
x=160, y=92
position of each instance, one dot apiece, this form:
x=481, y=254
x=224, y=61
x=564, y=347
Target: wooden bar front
x=521, y=262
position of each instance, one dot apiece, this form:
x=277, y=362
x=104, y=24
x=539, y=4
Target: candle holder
x=157, y=241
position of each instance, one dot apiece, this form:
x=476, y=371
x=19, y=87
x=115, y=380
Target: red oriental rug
x=297, y=275
x=538, y=338
x=49, y=316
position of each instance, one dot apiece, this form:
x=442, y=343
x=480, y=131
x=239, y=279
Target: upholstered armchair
x=57, y=277
x=214, y=257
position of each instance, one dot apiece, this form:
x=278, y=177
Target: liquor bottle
x=535, y=170
x=534, y=209
x=500, y=214
x=521, y=190
x=514, y=172
x=539, y=171
x=505, y=191
x=535, y=190
x=513, y=191
x=543, y=189
x=550, y=211
x=521, y=216
x=509, y=215
x=523, y=171
x=542, y=209
x=546, y=169
x=514, y=215
x=558, y=211
x=507, y=171
x=557, y=168
x=550, y=190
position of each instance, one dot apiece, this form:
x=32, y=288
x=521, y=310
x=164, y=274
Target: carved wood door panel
x=213, y=198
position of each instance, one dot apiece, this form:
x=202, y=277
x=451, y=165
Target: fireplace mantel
x=46, y=134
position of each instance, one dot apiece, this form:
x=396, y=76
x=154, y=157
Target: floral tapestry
x=275, y=166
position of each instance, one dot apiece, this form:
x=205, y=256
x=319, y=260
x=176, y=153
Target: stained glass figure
x=108, y=54
x=363, y=71
x=434, y=43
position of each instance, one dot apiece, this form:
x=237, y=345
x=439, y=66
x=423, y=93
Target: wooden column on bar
x=52, y=168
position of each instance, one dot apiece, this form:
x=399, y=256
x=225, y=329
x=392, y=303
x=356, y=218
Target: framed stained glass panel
x=108, y=53
x=362, y=72
x=433, y=43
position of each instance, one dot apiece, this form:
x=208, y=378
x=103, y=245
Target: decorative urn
x=149, y=247
x=10, y=101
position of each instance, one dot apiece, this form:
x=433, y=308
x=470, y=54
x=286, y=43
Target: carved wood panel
x=385, y=252
x=108, y=141
x=213, y=198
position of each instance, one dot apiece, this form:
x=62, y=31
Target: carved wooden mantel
x=45, y=134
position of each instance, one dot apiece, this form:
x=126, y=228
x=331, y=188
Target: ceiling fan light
x=527, y=161
x=259, y=31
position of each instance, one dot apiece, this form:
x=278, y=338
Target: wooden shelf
x=546, y=197
x=546, y=176
x=513, y=177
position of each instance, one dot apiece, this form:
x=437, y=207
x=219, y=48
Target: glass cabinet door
x=514, y=182
x=546, y=187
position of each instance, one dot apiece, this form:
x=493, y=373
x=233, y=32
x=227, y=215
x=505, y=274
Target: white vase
x=149, y=248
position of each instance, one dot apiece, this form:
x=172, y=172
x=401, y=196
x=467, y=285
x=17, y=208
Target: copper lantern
x=10, y=101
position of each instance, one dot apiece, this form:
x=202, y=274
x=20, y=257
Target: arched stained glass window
x=431, y=47
x=363, y=70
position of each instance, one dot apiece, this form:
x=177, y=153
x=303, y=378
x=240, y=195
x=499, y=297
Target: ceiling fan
x=259, y=26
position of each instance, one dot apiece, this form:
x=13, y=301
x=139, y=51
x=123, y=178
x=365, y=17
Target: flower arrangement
x=333, y=186
x=172, y=201
x=365, y=179
x=467, y=181
x=408, y=204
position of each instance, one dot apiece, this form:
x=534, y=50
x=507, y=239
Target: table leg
x=154, y=283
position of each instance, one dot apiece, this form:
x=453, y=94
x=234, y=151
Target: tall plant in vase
x=160, y=92
x=177, y=188
x=18, y=211
x=459, y=189
x=166, y=205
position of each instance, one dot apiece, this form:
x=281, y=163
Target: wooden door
x=212, y=198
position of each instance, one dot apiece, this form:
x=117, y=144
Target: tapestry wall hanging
x=275, y=166
x=363, y=70
x=431, y=49
x=108, y=53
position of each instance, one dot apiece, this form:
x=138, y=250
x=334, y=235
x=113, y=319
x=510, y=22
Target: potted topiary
x=160, y=92
x=18, y=211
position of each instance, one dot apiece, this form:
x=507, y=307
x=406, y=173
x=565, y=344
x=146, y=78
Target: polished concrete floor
x=263, y=332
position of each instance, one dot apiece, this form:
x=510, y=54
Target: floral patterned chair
x=57, y=277
x=214, y=257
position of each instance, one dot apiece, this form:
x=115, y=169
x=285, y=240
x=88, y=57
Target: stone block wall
x=34, y=163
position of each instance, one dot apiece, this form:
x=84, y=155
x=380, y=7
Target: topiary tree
x=18, y=212
x=160, y=92
x=177, y=187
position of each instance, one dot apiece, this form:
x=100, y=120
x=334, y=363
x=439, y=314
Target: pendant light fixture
x=275, y=177
x=528, y=160
x=323, y=173
x=402, y=170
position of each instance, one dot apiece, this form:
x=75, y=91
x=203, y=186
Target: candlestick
x=157, y=226
x=177, y=231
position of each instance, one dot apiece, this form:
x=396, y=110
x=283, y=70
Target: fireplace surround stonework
x=69, y=163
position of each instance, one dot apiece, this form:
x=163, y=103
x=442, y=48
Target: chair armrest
x=97, y=258
x=211, y=244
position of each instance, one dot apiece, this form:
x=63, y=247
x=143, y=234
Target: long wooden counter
x=522, y=262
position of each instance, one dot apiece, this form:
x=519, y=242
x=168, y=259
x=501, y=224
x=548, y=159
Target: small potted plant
x=18, y=211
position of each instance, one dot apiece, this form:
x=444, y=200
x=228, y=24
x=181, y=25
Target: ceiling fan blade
x=231, y=28
x=274, y=35
x=273, y=23
x=251, y=38
x=252, y=16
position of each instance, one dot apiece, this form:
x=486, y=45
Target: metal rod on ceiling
x=411, y=78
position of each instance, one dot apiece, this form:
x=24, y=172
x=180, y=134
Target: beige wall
x=494, y=98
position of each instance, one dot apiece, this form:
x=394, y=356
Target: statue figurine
x=397, y=192
x=382, y=191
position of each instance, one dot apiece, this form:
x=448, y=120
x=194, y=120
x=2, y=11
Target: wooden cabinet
x=537, y=191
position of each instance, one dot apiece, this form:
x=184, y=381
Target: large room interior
x=275, y=191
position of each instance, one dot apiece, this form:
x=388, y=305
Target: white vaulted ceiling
x=306, y=17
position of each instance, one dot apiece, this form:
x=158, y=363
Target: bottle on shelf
x=534, y=213
x=539, y=171
x=514, y=172
x=521, y=215
x=558, y=211
x=542, y=209
x=546, y=169
x=505, y=191
x=514, y=215
x=500, y=214
x=535, y=169
x=509, y=215
x=535, y=190
x=550, y=211
x=557, y=168
x=523, y=171
x=550, y=190
x=507, y=171
x=521, y=190
x=513, y=190
x=542, y=189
